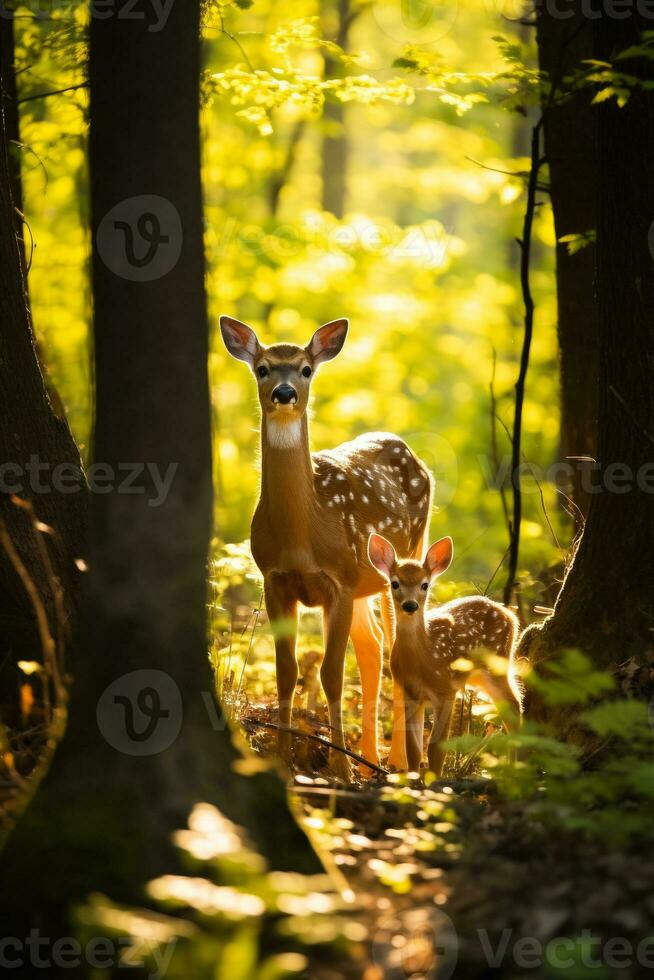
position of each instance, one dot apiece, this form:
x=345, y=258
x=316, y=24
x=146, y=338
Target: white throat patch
x=283, y=435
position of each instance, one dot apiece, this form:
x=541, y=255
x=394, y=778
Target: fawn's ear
x=327, y=341
x=381, y=554
x=439, y=557
x=240, y=340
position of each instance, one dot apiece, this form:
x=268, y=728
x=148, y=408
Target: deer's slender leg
x=397, y=757
x=282, y=613
x=414, y=723
x=338, y=622
x=368, y=644
x=443, y=710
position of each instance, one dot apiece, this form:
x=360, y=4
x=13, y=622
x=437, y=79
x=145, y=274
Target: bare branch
x=528, y=301
x=58, y=91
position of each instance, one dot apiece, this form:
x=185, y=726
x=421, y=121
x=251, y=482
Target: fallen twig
x=296, y=733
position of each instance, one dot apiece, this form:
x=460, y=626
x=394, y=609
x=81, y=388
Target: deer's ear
x=381, y=554
x=327, y=341
x=240, y=340
x=439, y=557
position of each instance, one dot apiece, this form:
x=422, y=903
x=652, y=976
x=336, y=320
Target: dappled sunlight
x=422, y=262
x=424, y=785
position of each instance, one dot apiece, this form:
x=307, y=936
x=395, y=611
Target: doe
x=311, y=526
x=428, y=642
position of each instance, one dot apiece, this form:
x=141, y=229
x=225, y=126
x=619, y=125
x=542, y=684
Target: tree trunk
x=335, y=149
x=31, y=436
x=144, y=741
x=12, y=126
x=12, y=122
x=606, y=606
x=570, y=149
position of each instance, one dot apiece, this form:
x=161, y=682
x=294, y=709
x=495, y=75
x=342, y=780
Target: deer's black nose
x=410, y=606
x=284, y=395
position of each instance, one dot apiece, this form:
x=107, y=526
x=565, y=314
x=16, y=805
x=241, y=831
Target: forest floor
x=448, y=878
x=452, y=879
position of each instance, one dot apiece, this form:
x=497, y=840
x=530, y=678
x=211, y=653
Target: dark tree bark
x=104, y=815
x=569, y=126
x=14, y=145
x=31, y=433
x=606, y=606
x=335, y=148
x=12, y=121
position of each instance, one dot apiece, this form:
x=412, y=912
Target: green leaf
x=604, y=94
x=409, y=63
x=624, y=718
x=570, y=680
x=641, y=778
x=579, y=241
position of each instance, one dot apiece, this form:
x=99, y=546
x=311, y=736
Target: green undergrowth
x=541, y=840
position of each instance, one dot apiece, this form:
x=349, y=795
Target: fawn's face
x=410, y=580
x=283, y=372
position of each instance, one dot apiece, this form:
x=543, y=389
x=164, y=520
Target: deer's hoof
x=365, y=770
x=397, y=762
x=285, y=748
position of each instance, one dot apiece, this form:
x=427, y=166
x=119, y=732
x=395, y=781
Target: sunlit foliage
x=424, y=261
x=230, y=917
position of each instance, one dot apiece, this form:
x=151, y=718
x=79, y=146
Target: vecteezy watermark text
x=154, y=12
x=587, y=949
x=40, y=477
x=592, y=10
x=615, y=477
x=68, y=953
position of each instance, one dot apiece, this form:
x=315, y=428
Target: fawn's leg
x=414, y=719
x=338, y=622
x=368, y=644
x=443, y=710
x=282, y=611
x=397, y=755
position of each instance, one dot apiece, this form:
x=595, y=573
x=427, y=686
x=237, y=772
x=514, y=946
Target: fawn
x=429, y=642
x=311, y=526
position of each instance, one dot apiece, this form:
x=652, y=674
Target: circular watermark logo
x=140, y=239
x=415, y=21
x=441, y=460
x=141, y=712
x=419, y=943
x=399, y=482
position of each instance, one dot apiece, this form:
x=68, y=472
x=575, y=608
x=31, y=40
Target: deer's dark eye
x=424, y=586
x=395, y=585
x=306, y=372
x=262, y=371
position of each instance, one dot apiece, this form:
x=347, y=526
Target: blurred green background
x=423, y=259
